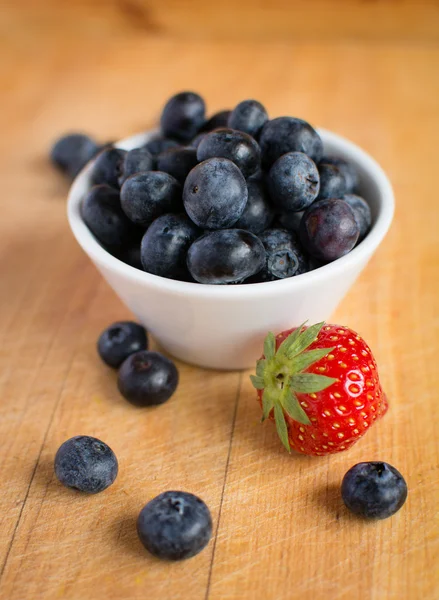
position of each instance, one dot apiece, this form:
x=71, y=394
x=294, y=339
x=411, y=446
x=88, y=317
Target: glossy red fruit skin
x=342, y=413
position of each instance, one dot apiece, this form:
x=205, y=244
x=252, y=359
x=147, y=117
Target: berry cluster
x=236, y=198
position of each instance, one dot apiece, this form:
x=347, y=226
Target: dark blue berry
x=160, y=144
x=197, y=140
x=332, y=182
x=147, y=378
x=285, y=256
x=215, y=194
x=219, y=119
x=225, y=256
x=130, y=254
x=183, y=116
x=175, y=525
x=293, y=182
x=237, y=146
x=119, y=341
x=287, y=134
x=362, y=213
x=347, y=169
x=249, y=116
x=107, y=167
x=374, y=490
x=85, y=463
x=146, y=196
x=258, y=213
x=290, y=220
x=138, y=160
x=165, y=245
x=105, y=218
x=177, y=162
x=328, y=229
x=72, y=152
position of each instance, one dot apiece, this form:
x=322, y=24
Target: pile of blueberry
x=236, y=198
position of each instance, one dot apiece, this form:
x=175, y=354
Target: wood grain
x=281, y=530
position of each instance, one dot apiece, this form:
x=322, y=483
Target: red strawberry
x=320, y=385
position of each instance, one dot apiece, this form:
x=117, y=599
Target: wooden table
x=369, y=71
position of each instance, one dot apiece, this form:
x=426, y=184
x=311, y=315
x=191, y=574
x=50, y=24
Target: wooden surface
x=369, y=71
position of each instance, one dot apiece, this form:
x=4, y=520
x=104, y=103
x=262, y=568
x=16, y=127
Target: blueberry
x=138, y=160
x=119, y=341
x=238, y=147
x=249, y=116
x=177, y=162
x=293, y=182
x=165, y=245
x=332, y=182
x=183, y=116
x=219, y=119
x=258, y=213
x=72, y=152
x=105, y=218
x=287, y=134
x=215, y=194
x=290, y=220
x=226, y=256
x=85, y=463
x=362, y=213
x=160, y=144
x=130, y=254
x=328, y=229
x=175, y=525
x=147, y=378
x=347, y=169
x=197, y=140
x=285, y=256
x=374, y=490
x=107, y=167
x=145, y=196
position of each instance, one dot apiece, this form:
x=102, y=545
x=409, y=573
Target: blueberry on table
x=71, y=152
x=86, y=464
x=146, y=196
x=219, y=119
x=234, y=145
x=165, y=245
x=119, y=341
x=138, y=160
x=147, y=378
x=249, y=116
x=290, y=220
x=103, y=215
x=347, y=169
x=293, y=182
x=332, y=182
x=183, y=116
x=362, y=213
x=215, y=194
x=258, y=213
x=160, y=144
x=328, y=229
x=225, y=256
x=175, y=525
x=285, y=256
x=177, y=162
x=374, y=490
x=287, y=134
x=107, y=167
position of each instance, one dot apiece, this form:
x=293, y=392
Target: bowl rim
x=228, y=292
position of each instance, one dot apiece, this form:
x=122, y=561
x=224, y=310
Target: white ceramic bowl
x=222, y=327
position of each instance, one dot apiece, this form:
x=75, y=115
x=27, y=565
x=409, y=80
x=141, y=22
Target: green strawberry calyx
x=280, y=374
